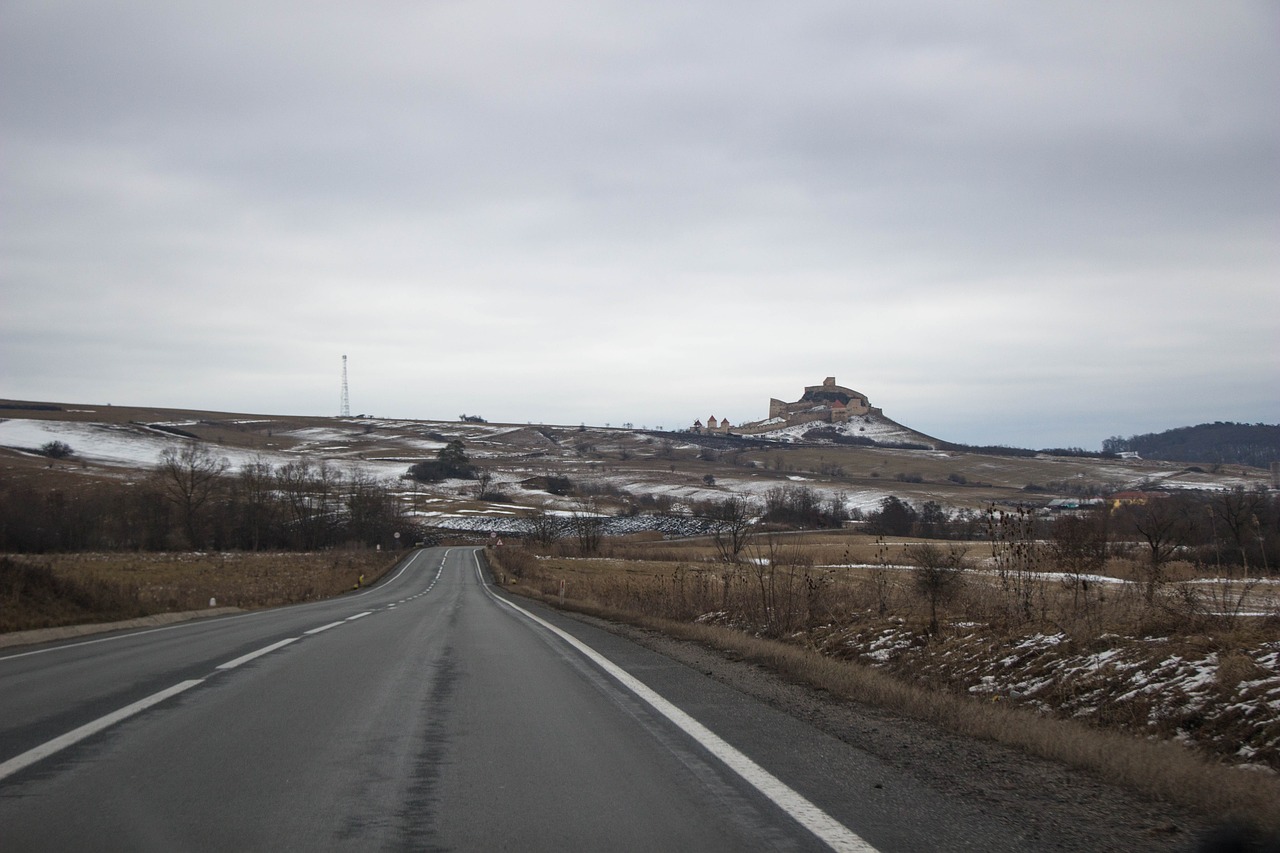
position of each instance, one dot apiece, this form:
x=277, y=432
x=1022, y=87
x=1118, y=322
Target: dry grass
x=47, y=591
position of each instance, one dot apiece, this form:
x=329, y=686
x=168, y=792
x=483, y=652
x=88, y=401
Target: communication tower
x=346, y=399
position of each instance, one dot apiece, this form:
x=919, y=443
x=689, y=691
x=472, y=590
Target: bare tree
x=735, y=522
x=309, y=496
x=587, y=525
x=373, y=515
x=1162, y=523
x=1238, y=512
x=939, y=575
x=1079, y=546
x=484, y=483
x=543, y=528
x=255, y=487
x=189, y=477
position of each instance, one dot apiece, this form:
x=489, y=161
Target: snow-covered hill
x=621, y=470
x=871, y=428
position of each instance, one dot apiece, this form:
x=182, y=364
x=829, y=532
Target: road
x=428, y=713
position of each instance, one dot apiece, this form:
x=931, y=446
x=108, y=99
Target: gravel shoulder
x=67, y=632
x=1065, y=808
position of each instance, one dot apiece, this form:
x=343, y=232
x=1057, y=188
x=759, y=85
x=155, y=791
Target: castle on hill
x=826, y=403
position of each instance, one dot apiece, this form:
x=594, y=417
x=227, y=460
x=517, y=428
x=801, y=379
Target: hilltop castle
x=826, y=403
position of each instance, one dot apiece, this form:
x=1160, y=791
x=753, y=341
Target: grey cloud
x=1042, y=205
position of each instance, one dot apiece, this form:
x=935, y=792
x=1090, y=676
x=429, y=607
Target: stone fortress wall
x=826, y=403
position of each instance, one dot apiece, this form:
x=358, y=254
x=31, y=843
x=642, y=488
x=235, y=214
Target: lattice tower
x=346, y=398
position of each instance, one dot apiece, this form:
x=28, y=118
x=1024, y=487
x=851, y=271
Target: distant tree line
x=1024, y=452
x=896, y=517
x=1236, y=528
x=801, y=506
x=192, y=499
x=1219, y=442
x=1233, y=528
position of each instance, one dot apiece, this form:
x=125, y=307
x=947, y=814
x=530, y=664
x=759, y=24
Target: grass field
x=44, y=591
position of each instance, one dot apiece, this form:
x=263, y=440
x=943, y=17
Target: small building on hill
x=714, y=425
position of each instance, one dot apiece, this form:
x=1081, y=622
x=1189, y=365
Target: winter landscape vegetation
x=1094, y=594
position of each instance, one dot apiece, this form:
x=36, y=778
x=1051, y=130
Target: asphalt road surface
x=428, y=713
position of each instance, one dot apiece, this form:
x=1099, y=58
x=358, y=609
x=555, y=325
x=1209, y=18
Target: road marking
x=394, y=577
x=31, y=756
x=232, y=664
x=195, y=623
x=833, y=833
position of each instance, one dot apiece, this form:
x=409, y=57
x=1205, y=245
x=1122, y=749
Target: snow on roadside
x=1226, y=702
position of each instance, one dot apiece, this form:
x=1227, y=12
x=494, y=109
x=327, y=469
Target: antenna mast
x=346, y=398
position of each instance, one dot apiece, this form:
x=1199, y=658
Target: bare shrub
x=587, y=525
x=736, y=521
x=1235, y=667
x=880, y=577
x=1017, y=553
x=56, y=449
x=542, y=528
x=939, y=575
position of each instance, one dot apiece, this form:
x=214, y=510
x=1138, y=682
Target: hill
x=1219, y=442
x=626, y=473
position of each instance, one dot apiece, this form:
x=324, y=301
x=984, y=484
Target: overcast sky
x=1038, y=224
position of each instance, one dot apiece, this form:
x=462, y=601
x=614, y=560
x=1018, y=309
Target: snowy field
x=135, y=447
x=673, y=468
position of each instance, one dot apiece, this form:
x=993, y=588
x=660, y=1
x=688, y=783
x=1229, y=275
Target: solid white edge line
x=31, y=756
x=324, y=627
x=833, y=833
x=232, y=664
x=418, y=553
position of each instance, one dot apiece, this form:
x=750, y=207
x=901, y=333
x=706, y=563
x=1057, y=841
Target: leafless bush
x=736, y=521
x=542, y=528
x=1017, y=554
x=56, y=449
x=587, y=525
x=939, y=575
